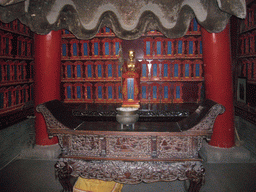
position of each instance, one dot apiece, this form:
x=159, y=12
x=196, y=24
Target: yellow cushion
x=95, y=185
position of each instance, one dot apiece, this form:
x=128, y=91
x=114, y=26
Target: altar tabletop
x=147, y=112
x=152, y=118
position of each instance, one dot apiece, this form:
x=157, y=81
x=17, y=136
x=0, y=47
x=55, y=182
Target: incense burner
x=127, y=116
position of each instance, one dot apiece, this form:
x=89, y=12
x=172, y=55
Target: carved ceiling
x=129, y=19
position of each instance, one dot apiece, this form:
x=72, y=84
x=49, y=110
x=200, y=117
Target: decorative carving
x=51, y=121
x=132, y=172
x=197, y=179
x=62, y=172
x=139, y=147
x=174, y=147
x=86, y=145
x=144, y=114
x=207, y=122
x=128, y=146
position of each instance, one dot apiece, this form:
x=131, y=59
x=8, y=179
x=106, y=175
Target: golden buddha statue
x=131, y=81
x=131, y=64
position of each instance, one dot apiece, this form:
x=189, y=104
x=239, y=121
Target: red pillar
x=219, y=84
x=46, y=79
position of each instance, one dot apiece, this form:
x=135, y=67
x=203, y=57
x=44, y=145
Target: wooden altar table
x=153, y=151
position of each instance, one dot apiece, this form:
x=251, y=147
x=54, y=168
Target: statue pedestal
x=131, y=89
x=135, y=104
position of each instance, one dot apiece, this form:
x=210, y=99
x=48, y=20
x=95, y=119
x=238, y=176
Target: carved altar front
x=131, y=158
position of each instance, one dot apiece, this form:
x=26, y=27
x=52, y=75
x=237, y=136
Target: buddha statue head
x=131, y=55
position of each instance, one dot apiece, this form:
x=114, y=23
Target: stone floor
x=28, y=175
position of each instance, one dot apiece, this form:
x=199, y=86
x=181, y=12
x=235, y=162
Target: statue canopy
x=129, y=19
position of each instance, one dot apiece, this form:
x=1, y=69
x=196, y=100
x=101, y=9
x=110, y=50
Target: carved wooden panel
x=85, y=145
x=134, y=172
x=128, y=146
x=173, y=147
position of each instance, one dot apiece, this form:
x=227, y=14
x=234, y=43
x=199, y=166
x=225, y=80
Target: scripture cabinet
x=168, y=67
x=245, y=74
x=90, y=68
x=16, y=66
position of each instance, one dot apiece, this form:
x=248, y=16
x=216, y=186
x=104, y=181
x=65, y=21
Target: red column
x=47, y=78
x=219, y=84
